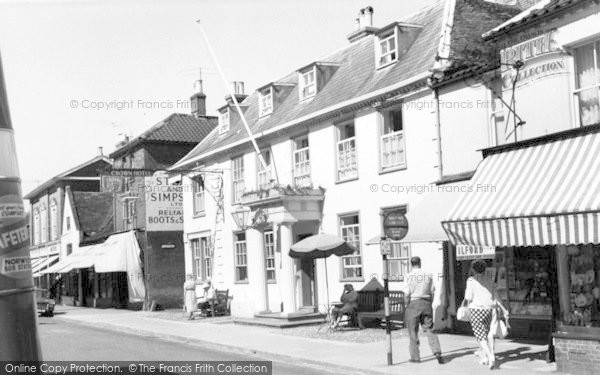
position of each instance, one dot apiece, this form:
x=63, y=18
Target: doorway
x=306, y=282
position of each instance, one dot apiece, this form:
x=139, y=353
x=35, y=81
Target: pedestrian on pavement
x=350, y=300
x=189, y=295
x=482, y=297
x=420, y=294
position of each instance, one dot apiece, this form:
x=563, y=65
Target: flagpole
x=237, y=106
x=18, y=320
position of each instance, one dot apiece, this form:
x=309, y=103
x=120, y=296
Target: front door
x=306, y=282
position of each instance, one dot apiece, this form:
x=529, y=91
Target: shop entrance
x=306, y=282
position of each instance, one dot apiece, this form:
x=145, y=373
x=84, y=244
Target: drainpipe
x=438, y=133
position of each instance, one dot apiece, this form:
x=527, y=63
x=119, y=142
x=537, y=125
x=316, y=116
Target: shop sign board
x=541, y=56
x=395, y=225
x=466, y=252
x=164, y=203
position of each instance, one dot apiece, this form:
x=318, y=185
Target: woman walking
x=189, y=296
x=482, y=298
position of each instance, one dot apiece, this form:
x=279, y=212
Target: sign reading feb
x=466, y=252
x=164, y=204
x=395, y=225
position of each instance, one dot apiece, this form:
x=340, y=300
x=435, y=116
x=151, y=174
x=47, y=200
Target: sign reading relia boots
x=542, y=56
x=164, y=203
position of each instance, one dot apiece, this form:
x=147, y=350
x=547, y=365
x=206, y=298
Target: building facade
x=539, y=227
x=47, y=206
x=345, y=140
x=140, y=191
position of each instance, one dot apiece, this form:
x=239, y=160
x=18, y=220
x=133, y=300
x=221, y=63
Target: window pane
x=589, y=106
x=586, y=66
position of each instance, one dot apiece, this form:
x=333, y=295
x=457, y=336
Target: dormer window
x=224, y=121
x=387, y=49
x=308, y=83
x=265, y=103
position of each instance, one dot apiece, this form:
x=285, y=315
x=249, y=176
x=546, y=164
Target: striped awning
x=544, y=194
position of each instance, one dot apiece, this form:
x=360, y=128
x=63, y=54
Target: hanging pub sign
x=467, y=252
x=164, y=203
x=395, y=225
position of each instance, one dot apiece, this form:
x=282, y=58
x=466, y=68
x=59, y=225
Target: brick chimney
x=198, y=100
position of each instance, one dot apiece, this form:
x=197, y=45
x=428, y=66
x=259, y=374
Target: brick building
x=137, y=160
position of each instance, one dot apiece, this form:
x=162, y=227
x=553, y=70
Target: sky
x=80, y=74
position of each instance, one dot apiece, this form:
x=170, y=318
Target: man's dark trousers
x=420, y=313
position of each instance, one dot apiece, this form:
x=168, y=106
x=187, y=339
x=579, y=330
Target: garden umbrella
x=321, y=245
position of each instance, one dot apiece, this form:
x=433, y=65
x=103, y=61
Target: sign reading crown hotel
x=164, y=203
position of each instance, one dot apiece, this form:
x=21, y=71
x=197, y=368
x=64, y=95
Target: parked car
x=45, y=304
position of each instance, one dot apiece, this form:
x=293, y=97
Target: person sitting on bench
x=209, y=294
x=350, y=300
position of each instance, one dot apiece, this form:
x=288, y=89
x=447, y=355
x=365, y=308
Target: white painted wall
x=69, y=236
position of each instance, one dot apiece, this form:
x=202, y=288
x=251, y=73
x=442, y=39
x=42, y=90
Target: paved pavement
x=64, y=340
x=347, y=357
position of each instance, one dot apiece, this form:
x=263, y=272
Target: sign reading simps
x=164, y=204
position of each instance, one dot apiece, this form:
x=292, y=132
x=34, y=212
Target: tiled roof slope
x=357, y=75
x=539, y=11
x=177, y=128
x=94, y=213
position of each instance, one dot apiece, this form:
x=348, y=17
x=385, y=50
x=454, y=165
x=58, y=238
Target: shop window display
x=528, y=274
x=583, y=265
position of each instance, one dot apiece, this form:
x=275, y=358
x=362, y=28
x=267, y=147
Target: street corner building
x=346, y=140
x=538, y=228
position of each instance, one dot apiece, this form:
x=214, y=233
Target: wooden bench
x=370, y=306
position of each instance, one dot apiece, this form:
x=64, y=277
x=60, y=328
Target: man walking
x=419, y=294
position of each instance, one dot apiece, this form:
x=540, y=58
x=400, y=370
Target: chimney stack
x=238, y=92
x=198, y=100
x=363, y=25
x=100, y=151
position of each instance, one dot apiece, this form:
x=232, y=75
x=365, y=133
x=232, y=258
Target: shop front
x=537, y=223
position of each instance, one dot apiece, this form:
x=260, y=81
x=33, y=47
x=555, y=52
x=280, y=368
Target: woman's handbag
x=463, y=313
x=501, y=329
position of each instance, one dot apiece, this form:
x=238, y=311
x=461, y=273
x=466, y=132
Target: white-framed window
x=237, y=177
x=198, y=191
x=202, y=259
x=387, y=49
x=265, y=102
x=301, y=162
x=350, y=232
x=240, y=257
x=399, y=260
x=44, y=224
x=37, y=227
x=53, y=220
x=264, y=176
x=347, y=166
x=393, y=149
x=269, y=243
x=308, y=83
x=68, y=222
x=224, y=121
x=587, y=83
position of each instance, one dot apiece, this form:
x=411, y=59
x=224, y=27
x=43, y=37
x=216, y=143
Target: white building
x=346, y=138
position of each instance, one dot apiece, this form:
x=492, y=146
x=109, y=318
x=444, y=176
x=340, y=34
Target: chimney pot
x=198, y=100
x=357, y=24
x=361, y=18
x=100, y=151
x=368, y=16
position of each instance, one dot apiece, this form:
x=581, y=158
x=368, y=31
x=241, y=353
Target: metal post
x=18, y=321
x=386, y=303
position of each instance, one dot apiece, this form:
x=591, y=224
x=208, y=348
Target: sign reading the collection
x=541, y=56
x=466, y=252
x=395, y=225
x=164, y=204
